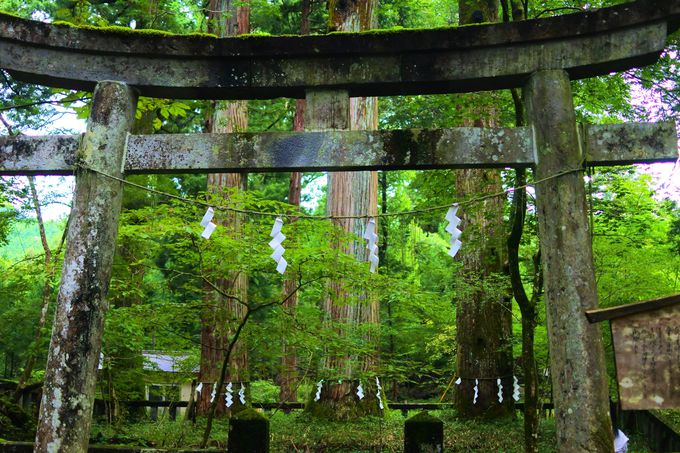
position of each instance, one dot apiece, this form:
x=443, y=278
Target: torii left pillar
x=68, y=393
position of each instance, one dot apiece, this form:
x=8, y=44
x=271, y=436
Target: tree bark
x=288, y=379
x=483, y=311
x=527, y=306
x=351, y=193
x=225, y=19
x=576, y=353
x=528, y=309
x=68, y=394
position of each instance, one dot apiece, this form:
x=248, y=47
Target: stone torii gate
x=541, y=56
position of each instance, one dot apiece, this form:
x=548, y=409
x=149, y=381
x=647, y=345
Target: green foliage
x=161, y=267
x=7, y=217
x=15, y=423
x=633, y=255
x=417, y=13
x=20, y=291
x=283, y=17
x=296, y=431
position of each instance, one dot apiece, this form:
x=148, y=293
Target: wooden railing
x=657, y=434
x=404, y=407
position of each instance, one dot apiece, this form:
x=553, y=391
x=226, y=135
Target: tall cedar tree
x=483, y=313
x=288, y=377
x=352, y=193
x=226, y=18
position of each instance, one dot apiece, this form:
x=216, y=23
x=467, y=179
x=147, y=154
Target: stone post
x=423, y=433
x=577, y=361
x=248, y=432
x=68, y=394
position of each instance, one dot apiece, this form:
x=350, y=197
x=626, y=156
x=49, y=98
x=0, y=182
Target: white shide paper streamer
x=372, y=245
x=229, y=396
x=360, y=391
x=199, y=388
x=275, y=244
x=476, y=389
x=207, y=223
x=452, y=228
x=458, y=381
x=500, y=390
x=515, y=386
x=214, y=393
x=319, y=384
x=242, y=394
x=378, y=394
x=207, y=218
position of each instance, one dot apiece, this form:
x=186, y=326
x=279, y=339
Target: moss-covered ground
x=298, y=432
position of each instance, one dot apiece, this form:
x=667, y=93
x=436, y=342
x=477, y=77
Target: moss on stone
x=121, y=30
x=249, y=413
x=142, y=32
x=424, y=417
x=12, y=15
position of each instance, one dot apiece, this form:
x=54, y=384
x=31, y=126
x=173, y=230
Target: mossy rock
x=15, y=423
x=248, y=432
x=423, y=433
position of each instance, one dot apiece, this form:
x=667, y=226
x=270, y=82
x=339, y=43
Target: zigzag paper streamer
x=378, y=394
x=229, y=396
x=199, y=388
x=319, y=384
x=242, y=394
x=209, y=230
x=275, y=244
x=207, y=223
x=213, y=394
x=360, y=391
x=515, y=387
x=209, y=214
x=458, y=381
x=372, y=245
x=500, y=390
x=452, y=228
x=476, y=389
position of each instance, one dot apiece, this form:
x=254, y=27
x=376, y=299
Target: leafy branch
x=232, y=343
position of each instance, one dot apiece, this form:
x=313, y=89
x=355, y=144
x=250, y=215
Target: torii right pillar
x=577, y=362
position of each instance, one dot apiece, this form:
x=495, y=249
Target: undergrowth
x=297, y=432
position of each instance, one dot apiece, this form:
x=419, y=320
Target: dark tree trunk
x=528, y=309
x=483, y=312
x=288, y=379
x=351, y=193
x=226, y=19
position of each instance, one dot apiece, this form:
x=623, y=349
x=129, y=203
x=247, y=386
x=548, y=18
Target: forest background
x=162, y=264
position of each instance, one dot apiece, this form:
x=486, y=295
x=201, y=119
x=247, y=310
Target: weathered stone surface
x=444, y=60
x=51, y=154
x=617, y=144
x=333, y=150
x=579, y=376
x=622, y=144
x=68, y=393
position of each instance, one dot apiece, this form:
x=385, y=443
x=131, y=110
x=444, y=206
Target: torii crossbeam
x=541, y=56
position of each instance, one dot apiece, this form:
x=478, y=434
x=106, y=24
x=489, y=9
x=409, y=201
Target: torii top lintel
x=471, y=58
